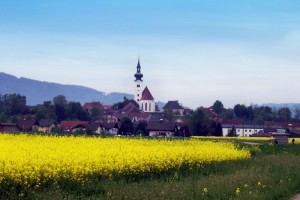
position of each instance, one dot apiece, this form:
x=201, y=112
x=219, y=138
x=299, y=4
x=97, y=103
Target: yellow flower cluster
x=297, y=140
x=32, y=159
x=234, y=138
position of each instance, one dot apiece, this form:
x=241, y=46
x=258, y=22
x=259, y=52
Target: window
x=138, y=95
x=138, y=85
x=146, y=106
x=246, y=130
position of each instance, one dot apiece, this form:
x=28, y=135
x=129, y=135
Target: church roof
x=173, y=105
x=146, y=95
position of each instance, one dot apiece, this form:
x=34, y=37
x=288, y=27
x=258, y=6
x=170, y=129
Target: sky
x=194, y=51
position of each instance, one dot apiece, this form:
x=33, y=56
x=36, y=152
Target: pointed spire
x=138, y=66
x=138, y=75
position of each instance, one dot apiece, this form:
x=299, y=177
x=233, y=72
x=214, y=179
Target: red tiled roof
x=90, y=106
x=71, y=124
x=130, y=107
x=146, y=95
x=107, y=107
x=143, y=116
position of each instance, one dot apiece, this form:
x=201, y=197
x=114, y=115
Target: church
x=142, y=95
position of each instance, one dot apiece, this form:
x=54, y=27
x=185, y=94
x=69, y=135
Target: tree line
x=13, y=108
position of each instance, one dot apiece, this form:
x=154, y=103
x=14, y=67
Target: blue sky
x=192, y=51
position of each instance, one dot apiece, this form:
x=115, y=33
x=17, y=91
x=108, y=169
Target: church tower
x=138, y=82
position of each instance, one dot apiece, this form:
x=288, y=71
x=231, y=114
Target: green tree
x=218, y=107
x=284, y=114
x=232, y=132
x=218, y=130
x=60, y=103
x=122, y=104
x=141, y=128
x=126, y=126
x=228, y=113
x=14, y=104
x=199, y=123
x=240, y=111
x=169, y=115
x=3, y=117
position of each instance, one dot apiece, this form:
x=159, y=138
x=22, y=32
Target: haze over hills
x=37, y=92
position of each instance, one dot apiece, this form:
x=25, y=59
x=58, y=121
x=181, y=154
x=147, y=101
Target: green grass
x=273, y=172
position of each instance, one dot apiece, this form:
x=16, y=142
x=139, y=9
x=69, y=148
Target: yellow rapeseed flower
x=33, y=160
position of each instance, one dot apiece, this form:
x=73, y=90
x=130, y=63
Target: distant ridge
x=38, y=91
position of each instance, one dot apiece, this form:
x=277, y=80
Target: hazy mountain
x=37, y=91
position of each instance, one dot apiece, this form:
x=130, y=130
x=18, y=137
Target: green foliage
x=121, y=105
x=232, y=132
x=126, y=126
x=218, y=107
x=141, y=129
x=284, y=114
x=169, y=115
x=13, y=104
x=199, y=123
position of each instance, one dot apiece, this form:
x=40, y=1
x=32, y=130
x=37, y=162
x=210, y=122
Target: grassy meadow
x=54, y=167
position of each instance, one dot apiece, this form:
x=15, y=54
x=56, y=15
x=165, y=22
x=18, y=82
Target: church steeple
x=138, y=75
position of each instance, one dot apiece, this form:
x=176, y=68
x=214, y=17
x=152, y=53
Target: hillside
x=37, y=91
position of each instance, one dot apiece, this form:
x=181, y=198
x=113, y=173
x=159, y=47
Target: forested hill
x=37, y=91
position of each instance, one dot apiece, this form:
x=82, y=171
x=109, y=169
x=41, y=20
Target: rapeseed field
x=33, y=161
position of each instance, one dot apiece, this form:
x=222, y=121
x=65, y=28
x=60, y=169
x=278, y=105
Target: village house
x=174, y=107
x=130, y=108
x=28, y=125
x=9, y=128
x=111, y=128
x=89, y=106
x=161, y=128
x=46, y=126
x=72, y=126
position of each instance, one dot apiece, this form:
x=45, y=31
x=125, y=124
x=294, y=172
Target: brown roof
x=71, y=124
x=130, y=107
x=161, y=126
x=90, y=106
x=45, y=123
x=110, y=125
x=143, y=116
x=173, y=105
x=8, y=127
x=146, y=94
x=26, y=124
